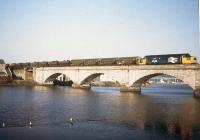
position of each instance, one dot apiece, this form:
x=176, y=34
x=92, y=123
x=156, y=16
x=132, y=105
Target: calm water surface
x=161, y=112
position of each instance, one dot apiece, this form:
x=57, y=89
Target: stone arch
x=91, y=77
x=141, y=80
x=54, y=76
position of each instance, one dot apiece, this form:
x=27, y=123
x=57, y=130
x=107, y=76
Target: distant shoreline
x=95, y=84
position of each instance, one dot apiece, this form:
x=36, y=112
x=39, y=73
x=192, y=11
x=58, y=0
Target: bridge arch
x=89, y=78
x=145, y=78
x=54, y=76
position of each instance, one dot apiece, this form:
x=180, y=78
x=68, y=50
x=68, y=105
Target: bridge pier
x=77, y=86
x=197, y=92
x=134, y=89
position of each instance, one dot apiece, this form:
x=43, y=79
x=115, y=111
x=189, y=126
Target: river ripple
x=162, y=112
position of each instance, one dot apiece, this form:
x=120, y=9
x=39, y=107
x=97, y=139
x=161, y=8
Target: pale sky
x=47, y=30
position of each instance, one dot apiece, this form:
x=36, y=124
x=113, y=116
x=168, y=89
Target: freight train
x=104, y=61
x=147, y=60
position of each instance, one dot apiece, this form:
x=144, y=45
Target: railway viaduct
x=132, y=77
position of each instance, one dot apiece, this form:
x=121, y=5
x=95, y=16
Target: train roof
x=106, y=58
x=187, y=54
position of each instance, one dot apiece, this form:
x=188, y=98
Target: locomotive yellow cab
x=189, y=60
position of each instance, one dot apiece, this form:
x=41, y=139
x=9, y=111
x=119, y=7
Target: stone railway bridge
x=131, y=76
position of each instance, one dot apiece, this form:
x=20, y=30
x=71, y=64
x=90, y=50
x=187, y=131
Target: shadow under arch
x=54, y=76
x=91, y=77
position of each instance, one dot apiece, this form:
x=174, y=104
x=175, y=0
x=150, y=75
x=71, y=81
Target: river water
x=161, y=112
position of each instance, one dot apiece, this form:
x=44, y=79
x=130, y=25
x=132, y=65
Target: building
x=3, y=73
x=2, y=67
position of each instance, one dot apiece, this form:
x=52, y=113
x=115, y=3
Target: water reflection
x=176, y=115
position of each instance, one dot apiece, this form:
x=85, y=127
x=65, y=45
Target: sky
x=48, y=30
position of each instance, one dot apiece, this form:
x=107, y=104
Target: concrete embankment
x=23, y=83
x=75, y=86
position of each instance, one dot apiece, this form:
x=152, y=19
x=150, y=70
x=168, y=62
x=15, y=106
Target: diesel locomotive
x=167, y=59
